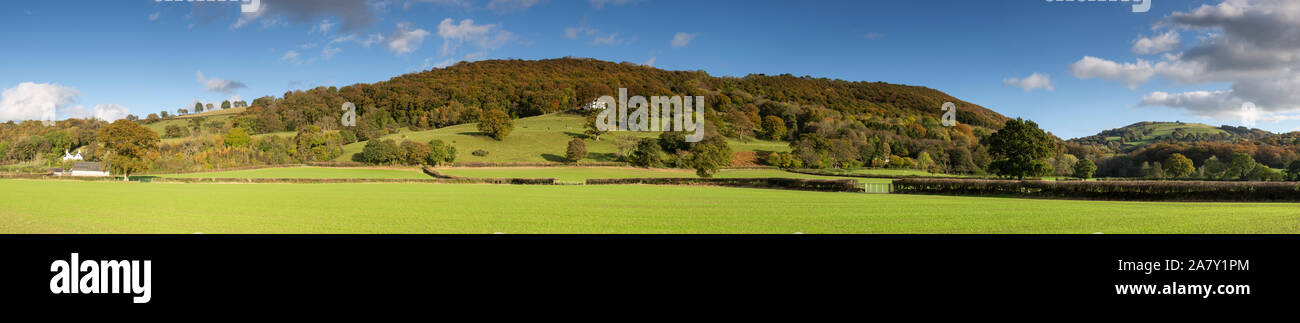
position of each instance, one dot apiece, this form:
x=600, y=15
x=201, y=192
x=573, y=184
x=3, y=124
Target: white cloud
x=110, y=112
x=1131, y=74
x=1032, y=82
x=443, y=64
x=611, y=39
x=292, y=57
x=154, y=16
x=1206, y=103
x=329, y=52
x=353, y=38
x=1161, y=43
x=324, y=27
x=352, y=15
x=510, y=5
x=485, y=37
x=682, y=39
x=449, y=3
x=574, y=32
x=651, y=61
x=220, y=85
x=406, y=39
x=601, y=3
x=30, y=101
x=1252, y=45
x=873, y=36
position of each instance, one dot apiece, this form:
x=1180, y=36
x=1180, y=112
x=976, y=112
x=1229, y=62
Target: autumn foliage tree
x=773, y=128
x=496, y=124
x=129, y=145
x=577, y=150
x=1179, y=166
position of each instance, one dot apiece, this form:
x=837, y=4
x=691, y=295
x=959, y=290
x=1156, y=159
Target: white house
x=67, y=156
x=594, y=105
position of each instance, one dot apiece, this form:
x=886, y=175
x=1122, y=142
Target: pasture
x=308, y=172
x=54, y=206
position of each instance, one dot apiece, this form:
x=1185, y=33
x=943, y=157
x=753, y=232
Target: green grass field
x=581, y=174
x=52, y=206
x=534, y=139
x=308, y=172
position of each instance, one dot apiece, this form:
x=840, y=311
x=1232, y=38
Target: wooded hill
x=860, y=123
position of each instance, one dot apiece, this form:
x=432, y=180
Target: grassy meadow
x=51, y=206
x=309, y=172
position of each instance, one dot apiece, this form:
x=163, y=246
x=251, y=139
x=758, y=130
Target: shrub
x=440, y=153
x=784, y=160
x=577, y=150
x=348, y=136
x=1292, y=171
x=415, y=153
x=237, y=137
x=480, y=153
x=380, y=152
x=174, y=131
x=647, y=154
x=316, y=145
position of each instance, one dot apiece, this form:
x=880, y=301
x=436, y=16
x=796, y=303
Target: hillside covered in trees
x=1142, y=149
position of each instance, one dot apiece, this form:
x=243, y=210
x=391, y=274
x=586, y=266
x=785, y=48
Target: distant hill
x=1146, y=133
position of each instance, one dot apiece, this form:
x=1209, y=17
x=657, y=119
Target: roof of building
x=86, y=166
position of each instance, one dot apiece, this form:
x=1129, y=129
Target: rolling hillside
x=1147, y=132
x=535, y=139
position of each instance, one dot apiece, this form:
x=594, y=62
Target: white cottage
x=67, y=156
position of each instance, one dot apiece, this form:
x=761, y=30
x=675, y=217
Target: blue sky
x=146, y=56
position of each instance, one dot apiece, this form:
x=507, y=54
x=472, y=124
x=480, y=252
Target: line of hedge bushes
x=1107, y=190
x=824, y=185
x=534, y=164
x=521, y=181
x=339, y=164
x=826, y=173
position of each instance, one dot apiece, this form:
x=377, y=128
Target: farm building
x=88, y=169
